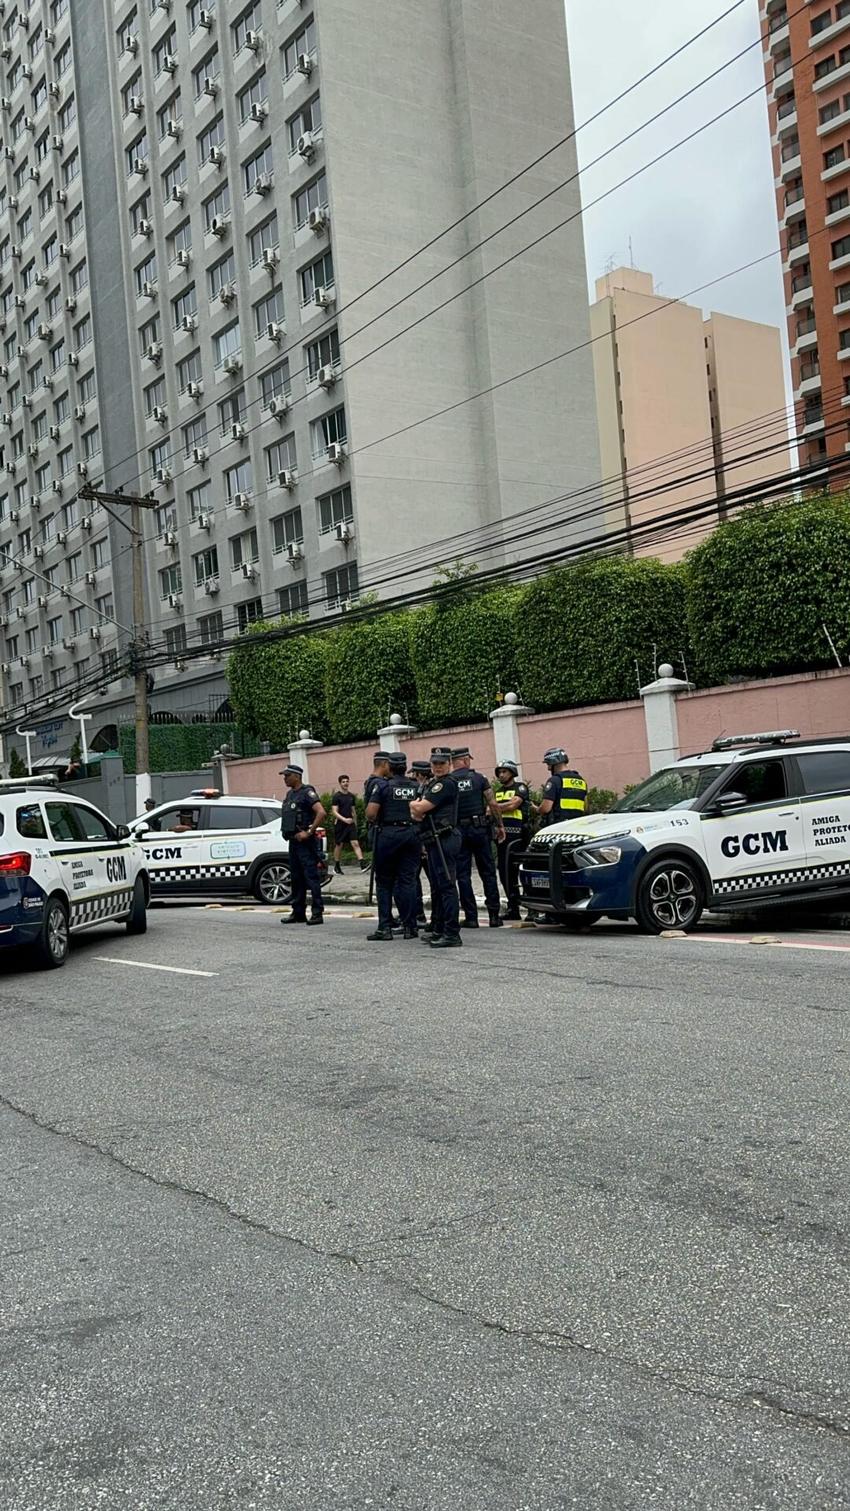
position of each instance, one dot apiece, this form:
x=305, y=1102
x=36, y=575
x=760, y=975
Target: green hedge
x=584, y=627
x=182, y=747
x=368, y=676
x=762, y=587
x=749, y=601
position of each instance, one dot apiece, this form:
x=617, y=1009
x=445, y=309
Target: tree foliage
x=463, y=652
x=761, y=589
x=182, y=747
x=277, y=687
x=368, y=675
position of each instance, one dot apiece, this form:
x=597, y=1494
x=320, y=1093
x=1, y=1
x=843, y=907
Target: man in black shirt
x=345, y=824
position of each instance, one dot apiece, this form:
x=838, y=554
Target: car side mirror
x=728, y=802
x=139, y=829
x=122, y=831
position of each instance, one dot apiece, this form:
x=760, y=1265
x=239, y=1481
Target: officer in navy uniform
x=421, y=771
x=437, y=810
x=513, y=801
x=565, y=793
x=397, y=846
x=476, y=806
x=302, y=815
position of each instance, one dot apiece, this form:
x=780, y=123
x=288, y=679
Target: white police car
x=758, y=820
x=63, y=867
x=213, y=843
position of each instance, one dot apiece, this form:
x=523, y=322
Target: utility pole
x=138, y=647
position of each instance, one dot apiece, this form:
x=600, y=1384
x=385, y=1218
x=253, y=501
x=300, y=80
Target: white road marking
x=147, y=965
x=773, y=944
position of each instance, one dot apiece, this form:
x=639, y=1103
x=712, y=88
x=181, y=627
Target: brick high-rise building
x=807, y=63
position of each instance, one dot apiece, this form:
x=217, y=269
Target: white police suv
x=63, y=867
x=213, y=843
x=758, y=820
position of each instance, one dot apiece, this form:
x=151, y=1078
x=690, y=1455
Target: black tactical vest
x=470, y=794
x=395, y=808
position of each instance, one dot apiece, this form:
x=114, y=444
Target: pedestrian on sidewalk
x=344, y=810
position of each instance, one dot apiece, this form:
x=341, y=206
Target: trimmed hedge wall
x=749, y=601
x=182, y=747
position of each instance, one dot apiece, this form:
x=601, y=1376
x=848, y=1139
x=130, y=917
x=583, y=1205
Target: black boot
x=512, y=915
x=316, y=918
x=447, y=942
x=470, y=923
x=337, y=868
x=293, y=918
x=380, y=936
x=495, y=921
x=411, y=933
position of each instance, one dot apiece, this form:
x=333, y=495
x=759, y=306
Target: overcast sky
x=710, y=206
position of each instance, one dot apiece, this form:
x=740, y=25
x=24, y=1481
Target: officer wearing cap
x=302, y=815
x=397, y=846
x=437, y=809
x=513, y=801
x=421, y=772
x=476, y=805
x=565, y=793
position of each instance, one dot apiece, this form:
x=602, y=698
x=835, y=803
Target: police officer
x=302, y=815
x=565, y=793
x=397, y=846
x=513, y=801
x=476, y=805
x=421, y=772
x=437, y=809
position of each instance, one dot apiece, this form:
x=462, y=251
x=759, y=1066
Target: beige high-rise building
x=681, y=402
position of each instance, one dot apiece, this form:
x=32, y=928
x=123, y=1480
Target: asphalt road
x=548, y=1222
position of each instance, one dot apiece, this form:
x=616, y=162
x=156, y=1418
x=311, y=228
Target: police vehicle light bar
x=772, y=737
x=205, y=792
x=25, y=783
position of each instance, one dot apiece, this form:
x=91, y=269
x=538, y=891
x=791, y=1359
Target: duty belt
x=478, y=822
x=397, y=823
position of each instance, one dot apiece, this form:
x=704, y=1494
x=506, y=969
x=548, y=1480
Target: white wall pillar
x=660, y=713
x=391, y=736
x=299, y=752
x=506, y=729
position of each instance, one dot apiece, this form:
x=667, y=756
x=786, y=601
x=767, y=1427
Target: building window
x=257, y=169
x=212, y=137
x=221, y=275
x=253, y=101
x=323, y=353
x=249, y=21
x=307, y=119
x=341, y=586
x=264, y=238
x=330, y=429
x=170, y=580
x=280, y=458
x=227, y=343
x=205, y=565
x=313, y=197
x=175, y=640
x=249, y=613
x=292, y=602
x=304, y=41
x=335, y=508
x=211, y=628
x=238, y=479
x=275, y=383
x=287, y=530
x=268, y=311
x=199, y=499
x=194, y=435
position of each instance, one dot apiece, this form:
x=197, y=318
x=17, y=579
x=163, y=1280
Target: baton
x=440, y=852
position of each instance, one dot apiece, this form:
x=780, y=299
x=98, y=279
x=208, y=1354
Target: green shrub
x=761, y=588
x=277, y=688
x=583, y=627
x=368, y=676
x=182, y=747
x=463, y=652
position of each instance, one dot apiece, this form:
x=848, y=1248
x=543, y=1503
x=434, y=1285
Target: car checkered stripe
x=96, y=909
x=176, y=874
x=835, y=872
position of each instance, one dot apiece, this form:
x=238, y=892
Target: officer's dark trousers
x=396, y=863
x=442, y=874
x=508, y=856
x=477, y=845
x=304, y=869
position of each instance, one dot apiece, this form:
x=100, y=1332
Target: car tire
x=670, y=895
x=51, y=947
x=137, y=918
x=272, y=883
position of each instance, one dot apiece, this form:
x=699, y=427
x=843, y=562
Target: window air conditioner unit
x=227, y=293
x=10, y=468
x=317, y=219
x=57, y=143
x=70, y=305
x=211, y=587
x=194, y=390
x=262, y=184
x=85, y=522
x=274, y=331
x=344, y=533
x=205, y=19
x=44, y=332
x=232, y=364
x=137, y=104
x=5, y=102
x=61, y=197
x=4, y=371
x=159, y=414
x=12, y=201
x=242, y=502
x=286, y=479
x=189, y=323
x=270, y=257
x=94, y=633
x=83, y=471
x=170, y=537
x=61, y=537
x=169, y=63
x=29, y=120
x=91, y=579
x=73, y=359
x=38, y=552
x=56, y=485
x=277, y=408
x=79, y=412
x=42, y=600
x=184, y=257
x=253, y=40
x=248, y=571
x=210, y=88
x=131, y=44
x=322, y=298
x=199, y=455
x=34, y=175
x=175, y=601
x=40, y=279
x=54, y=91
x=32, y=450
x=203, y=521
x=48, y=651
x=326, y=377
x=336, y=453
x=237, y=431
x=64, y=249
x=305, y=64
x=294, y=552
x=216, y=156
x=9, y=154
x=22, y=351
x=26, y=401
x=140, y=166
x=306, y=145
x=14, y=515
x=258, y=112
x=173, y=130
x=70, y=645
x=47, y=382
x=218, y=225
x=163, y=474
x=149, y=289
x=15, y=251
x=178, y=194
x=54, y=432
x=153, y=351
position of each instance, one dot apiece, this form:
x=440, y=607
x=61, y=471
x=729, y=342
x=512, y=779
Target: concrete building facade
x=679, y=401
x=250, y=174
x=807, y=66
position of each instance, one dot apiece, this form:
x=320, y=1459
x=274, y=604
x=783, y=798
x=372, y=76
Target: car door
x=759, y=846
x=81, y=862
x=176, y=848
x=114, y=858
x=825, y=805
x=237, y=835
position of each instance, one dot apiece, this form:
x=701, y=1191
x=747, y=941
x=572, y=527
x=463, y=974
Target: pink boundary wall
x=606, y=743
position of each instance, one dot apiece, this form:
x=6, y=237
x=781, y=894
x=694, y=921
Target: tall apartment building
x=248, y=174
x=680, y=395
x=807, y=64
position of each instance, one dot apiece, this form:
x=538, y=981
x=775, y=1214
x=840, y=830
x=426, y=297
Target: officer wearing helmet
x=513, y=801
x=565, y=793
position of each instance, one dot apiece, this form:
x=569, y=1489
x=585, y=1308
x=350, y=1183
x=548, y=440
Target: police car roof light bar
x=771, y=737
x=25, y=783
x=205, y=792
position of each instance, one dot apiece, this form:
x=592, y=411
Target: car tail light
x=16, y=864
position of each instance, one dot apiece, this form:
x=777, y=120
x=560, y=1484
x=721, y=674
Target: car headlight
x=599, y=855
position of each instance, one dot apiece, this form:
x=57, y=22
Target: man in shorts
x=345, y=824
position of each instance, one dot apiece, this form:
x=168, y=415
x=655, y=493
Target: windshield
x=674, y=787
